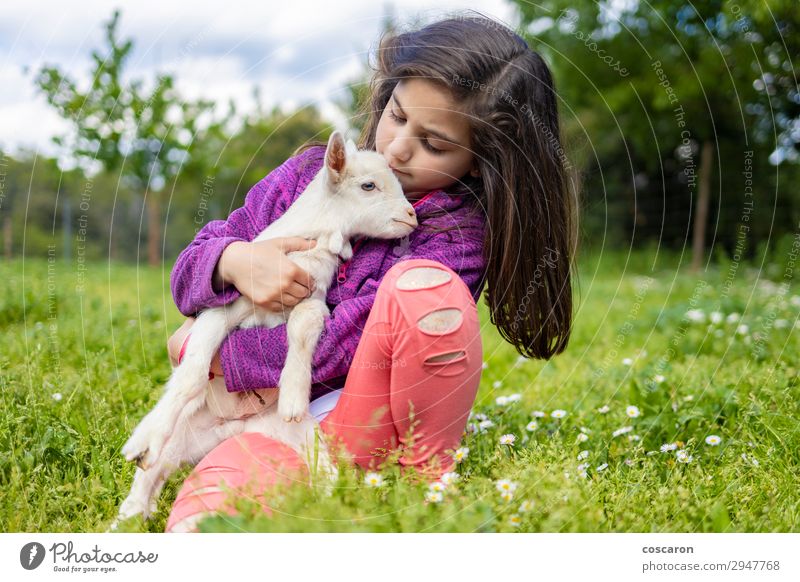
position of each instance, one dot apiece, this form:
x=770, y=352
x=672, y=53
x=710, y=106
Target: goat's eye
x=368, y=186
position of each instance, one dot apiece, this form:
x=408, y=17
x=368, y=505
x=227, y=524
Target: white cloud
x=294, y=51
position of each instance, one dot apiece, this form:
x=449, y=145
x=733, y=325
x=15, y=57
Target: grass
x=80, y=369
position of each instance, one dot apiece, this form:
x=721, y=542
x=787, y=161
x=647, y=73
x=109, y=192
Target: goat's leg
x=305, y=324
x=187, y=387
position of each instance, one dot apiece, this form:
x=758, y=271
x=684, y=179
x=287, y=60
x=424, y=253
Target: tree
x=664, y=84
x=144, y=135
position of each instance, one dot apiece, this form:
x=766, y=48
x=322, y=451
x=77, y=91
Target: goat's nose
x=411, y=212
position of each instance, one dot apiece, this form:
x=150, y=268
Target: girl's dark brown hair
x=508, y=94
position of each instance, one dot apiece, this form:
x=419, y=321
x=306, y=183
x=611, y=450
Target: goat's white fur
x=195, y=414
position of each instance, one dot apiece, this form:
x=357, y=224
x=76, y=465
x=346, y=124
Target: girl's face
x=424, y=138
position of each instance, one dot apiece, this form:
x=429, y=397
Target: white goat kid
x=354, y=194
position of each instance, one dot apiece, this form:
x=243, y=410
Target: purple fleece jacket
x=253, y=358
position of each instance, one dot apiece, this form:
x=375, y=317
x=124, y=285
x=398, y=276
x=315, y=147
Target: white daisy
x=450, y=478
x=515, y=520
x=696, y=315
x=507, y=439
x=437, y=486
x=460, y=454
x=506, y=496
x=582, y=438
x=627, y=362
x=632, y=411
x=683, y=456
x=633, y=437
x=558, y=413
x=373, y=480
x=665, y=448
x=434, y=496
x=514, y=397
x=505, y=485
x=501, y=400
x=497, y=383
x=659, y=378
x=525, y=506
x=585, y=430
x=583, y=466
x=602, y=467
x=603, y=409
x=538, y=414
x=713, y=440
x=742, y=329
x=57, y=396
x=622, y=430
x=485, y=365
x=485, y=425
x=716, y=317
x=583, y=455
x=733, y=317
x=532, y=426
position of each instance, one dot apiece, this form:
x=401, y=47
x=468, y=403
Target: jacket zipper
x=341, y=277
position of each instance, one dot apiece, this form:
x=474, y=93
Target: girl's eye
x=368, y=186
x=426, y=143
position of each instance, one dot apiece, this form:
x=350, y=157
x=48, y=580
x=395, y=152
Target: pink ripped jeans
x=420, y=352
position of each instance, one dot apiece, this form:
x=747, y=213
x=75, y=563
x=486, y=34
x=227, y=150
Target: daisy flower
x=713, y=440
x=538, y=414
x=497, y=383
x=582, y=437
x=742, y=329
x=526, y=506
x=532, y=426
x=659, y=378
x=437, y=486
x=696, y=315
x=515, y=520
x=732, y=317
x=450, y=478
x=665, y=448
x=460, y=454
x=622, y=430
x=57, y=396
x=514, y=397
x=716, y=317
x=585, y=430
x=506, y=496
x=434, y=496
x=373, y=480
x=501, y=400
x=627, y=362
x=485, y=365
x=632, y=411
x=583, y=455
x=602, y=467
x=507, y=439
x=505, y=485
x=485, y=425
x=603, y=409
x=683, y=456
x=558, y=413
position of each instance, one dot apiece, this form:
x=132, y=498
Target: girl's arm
x=195, y=282
x=254, y=357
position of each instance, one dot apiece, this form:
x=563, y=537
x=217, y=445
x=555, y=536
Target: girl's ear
x=475, y=172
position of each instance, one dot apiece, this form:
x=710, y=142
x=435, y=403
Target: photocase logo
x=31, y=555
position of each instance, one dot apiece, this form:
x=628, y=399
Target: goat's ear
x=335, y=157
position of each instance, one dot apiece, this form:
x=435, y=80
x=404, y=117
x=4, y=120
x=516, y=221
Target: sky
x=297, y=51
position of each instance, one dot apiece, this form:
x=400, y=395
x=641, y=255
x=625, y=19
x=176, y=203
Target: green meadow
x=674, y=409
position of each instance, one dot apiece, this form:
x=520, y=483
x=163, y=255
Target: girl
x=465, y=114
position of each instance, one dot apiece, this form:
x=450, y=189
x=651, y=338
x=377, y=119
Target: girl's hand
x=263, y=273
x=216, y=365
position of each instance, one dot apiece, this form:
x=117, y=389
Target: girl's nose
x=399, y=149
